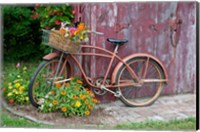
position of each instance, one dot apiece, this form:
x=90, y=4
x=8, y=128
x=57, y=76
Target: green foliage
x=70, y=99
x=21, y=34
x=51, y=16
x=16, y=88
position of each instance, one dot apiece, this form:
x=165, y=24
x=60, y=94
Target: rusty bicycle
x=137, y=80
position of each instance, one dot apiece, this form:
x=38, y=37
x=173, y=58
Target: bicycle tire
x=129, y=97
x=40, y=68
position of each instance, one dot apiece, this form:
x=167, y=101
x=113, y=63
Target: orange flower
x=87, y=113
x=89, y=107
x=55, y=102
x=63, y=93
x=94, y=100
x=62, y=31
x=86, y=102
x=81, y=27
x=67, y=84
x=52, y=92
x=82, y=97
x=79, y=81
x=75, y=97
x=75, y=88
x=87, y=89
x=58, y=85
x=89, y=92
x=64, y=109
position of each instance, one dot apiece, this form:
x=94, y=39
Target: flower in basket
x=76, y=34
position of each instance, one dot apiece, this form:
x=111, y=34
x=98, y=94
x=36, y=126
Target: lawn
x=8, y=120
x=181, y=124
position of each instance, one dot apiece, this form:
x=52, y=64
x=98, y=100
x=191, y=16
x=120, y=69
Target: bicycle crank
x=116, y=94
x=98, y=82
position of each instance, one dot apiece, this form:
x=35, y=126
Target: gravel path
x=165, y=108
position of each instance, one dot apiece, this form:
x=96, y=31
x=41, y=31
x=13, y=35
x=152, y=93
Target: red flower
x=46, y=27
x=57, y=22
x=33, y=11
x=11, y=101
x=37, y=5
x=54, y=11
x=3, y=89
x=73, y=12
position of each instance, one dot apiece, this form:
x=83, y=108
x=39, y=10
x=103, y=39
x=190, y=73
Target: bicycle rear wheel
x=42, y=80
x=143, y=94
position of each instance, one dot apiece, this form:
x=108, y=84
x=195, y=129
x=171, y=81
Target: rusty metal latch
x=175, y=28
x=120, y=26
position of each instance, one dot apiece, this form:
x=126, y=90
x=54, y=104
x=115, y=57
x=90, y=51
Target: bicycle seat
x=115, y=41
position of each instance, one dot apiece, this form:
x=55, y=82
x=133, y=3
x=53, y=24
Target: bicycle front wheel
x=142, y=94
x=42, y=80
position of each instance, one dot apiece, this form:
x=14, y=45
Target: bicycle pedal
x=117, y=94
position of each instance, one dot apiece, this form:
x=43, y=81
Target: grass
x=181, y=124
x=8, y=120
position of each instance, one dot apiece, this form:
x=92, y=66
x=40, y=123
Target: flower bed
x=69, y=98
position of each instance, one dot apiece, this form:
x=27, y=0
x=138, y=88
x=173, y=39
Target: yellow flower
x=18, y=76
x=16, y=92
x=17, y=85
x=81, y=37
x=9, y=94
x=55, y=102
x=25, y=68
x=27, y=98
x=9, y=84
x=87, y=113
x=78, y=104
x=10, y=87
x=20, y=92
x=64, y=109
x=21, y=88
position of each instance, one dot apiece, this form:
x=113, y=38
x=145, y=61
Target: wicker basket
x=57, y=40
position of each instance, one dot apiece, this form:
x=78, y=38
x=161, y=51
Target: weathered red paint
x=147, y=27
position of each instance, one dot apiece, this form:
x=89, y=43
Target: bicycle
x=133, y=76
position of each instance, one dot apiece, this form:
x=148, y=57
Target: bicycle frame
x=111, y=56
